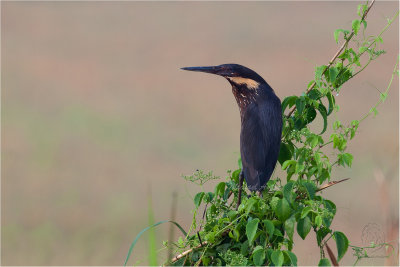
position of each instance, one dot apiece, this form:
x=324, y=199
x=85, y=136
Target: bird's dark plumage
x=261, y=121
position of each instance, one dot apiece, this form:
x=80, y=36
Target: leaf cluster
x=261, y=230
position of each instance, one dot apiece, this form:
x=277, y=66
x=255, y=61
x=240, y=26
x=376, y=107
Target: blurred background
x=97, y=118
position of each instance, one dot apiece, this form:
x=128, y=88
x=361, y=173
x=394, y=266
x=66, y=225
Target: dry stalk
x=330, y=184
x=331, y=256
x=183, y=254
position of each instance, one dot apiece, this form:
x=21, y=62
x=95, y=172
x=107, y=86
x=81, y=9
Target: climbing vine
x=260, y=231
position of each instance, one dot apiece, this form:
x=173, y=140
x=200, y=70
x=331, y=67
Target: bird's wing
x=260, y=142
x=271, y=125
x=253, y=148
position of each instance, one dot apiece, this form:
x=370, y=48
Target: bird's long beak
x=208, y=69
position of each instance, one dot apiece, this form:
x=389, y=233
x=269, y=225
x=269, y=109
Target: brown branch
x=331, y=255
x=183, y=254
x=330, y=184
x=335, y=56
x=322, y=187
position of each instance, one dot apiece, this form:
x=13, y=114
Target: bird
x=261, y=123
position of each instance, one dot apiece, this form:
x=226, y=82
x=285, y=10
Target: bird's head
x=236, y=74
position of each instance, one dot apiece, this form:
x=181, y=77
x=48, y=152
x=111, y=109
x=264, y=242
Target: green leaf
x=362, y=49
x=249, y=204
x=322, y=111
x=282, y=209
x=287, y=163
x=337, y=32
x=345, y=159
x=287, y=191
x=348, y=159
x=244, y=248
x=304, y=227
x=210, y=237
x=342, y=243
x=235, y=175
x=373, y=110
x=336, y=35
x=251, y=229
x=288, y=102
x=321, y=233
x=355, y=25
x=318, y=221
x=361, y=8
x=289, y=227
x=331, y=101
x=220, y=189
x=310, y=115
x=336, y=125
x=271, y=184
x=278, y=233
x=314, y=94
x=259, y=255
x=364, y=22
x=274, y=202
x=299, y=167
x=277, y=258
x=208, y=197
x=300, y=104
x=305, y=211
x=270, y=228
x=232, y=214
x=234, y=234
x=299, y=123
x=333, y=72
x=324, y=175
x=311, y=188
x=284, y=153
x=292, y=257
x=318, y=74
x=197, y=199
x=327, y=220
x=324, y=262
x=313, y=140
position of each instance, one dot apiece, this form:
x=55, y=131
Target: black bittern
x=261, y=123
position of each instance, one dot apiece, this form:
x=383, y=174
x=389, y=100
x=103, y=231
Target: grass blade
x=152, y=235
x=144, y=230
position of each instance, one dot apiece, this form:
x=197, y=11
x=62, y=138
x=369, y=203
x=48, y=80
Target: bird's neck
x=245, y=96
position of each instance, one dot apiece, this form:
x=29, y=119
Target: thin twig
x=323, y=187
x=330, y=184
x=335, y=56
x=327, y=143
x=183, y=254
x=386, y=92
x=224, y=231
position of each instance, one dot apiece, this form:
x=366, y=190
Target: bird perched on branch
x=261, y=123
